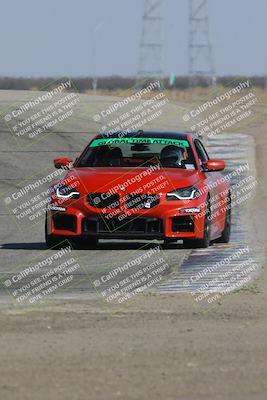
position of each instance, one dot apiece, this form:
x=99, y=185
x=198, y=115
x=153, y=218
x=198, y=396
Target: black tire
x=205, y=242
x=84, y=244
x=190, y=243
x=226, y=233
x=50, y=240
x=169, y=240
x=55, y=242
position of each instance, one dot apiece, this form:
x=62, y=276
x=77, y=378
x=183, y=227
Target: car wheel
x=169, y=240
x=52, y=241
x=55, y=242
x=84, y=244
x=225, y=238
x=205, y=242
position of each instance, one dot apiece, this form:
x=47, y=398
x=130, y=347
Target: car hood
x=88, y=180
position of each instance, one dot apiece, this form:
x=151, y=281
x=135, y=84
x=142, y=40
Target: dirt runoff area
x=158, y=347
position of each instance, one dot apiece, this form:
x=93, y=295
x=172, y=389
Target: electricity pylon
x=150, y=59
x=199, y=45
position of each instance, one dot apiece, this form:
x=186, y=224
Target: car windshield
x=138, y=152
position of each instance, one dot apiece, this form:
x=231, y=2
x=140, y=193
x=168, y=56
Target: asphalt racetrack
x=26, y=160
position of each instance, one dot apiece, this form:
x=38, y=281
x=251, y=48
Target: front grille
x=64, y=222
x=142, y=201
x=103, y=200
x=183, y=224
x=127, y=225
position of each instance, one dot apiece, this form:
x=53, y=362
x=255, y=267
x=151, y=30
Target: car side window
x=201, y=152
x=205, y=151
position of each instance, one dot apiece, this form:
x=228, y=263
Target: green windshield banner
x=137, y=140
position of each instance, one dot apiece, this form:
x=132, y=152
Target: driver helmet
x=172, y=155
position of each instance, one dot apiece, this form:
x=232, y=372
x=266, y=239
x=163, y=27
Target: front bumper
x=168, y=219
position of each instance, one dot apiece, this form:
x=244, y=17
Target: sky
x=55, y=37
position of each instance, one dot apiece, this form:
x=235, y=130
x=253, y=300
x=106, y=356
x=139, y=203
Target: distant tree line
x=84, y=84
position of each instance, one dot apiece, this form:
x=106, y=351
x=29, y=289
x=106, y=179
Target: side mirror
x=63, y=162
x=214, y=165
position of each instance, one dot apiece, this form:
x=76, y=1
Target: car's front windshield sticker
x=135, y=140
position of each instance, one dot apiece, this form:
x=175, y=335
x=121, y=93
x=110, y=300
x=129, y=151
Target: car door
x=212, y=180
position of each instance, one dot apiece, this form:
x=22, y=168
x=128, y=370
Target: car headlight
x=67, y=192
x=188, y=193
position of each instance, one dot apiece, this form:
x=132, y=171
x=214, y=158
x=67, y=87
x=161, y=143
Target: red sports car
x=140, y=185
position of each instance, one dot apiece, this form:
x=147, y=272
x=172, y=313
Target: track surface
x=19, y=162
x=202, y=259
